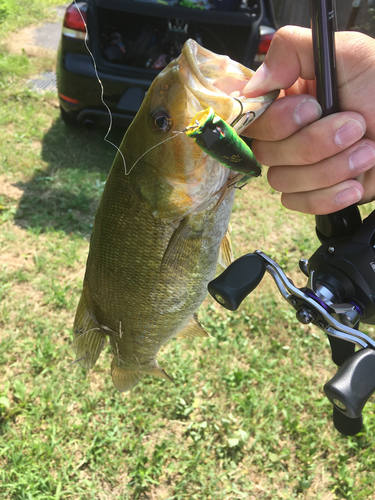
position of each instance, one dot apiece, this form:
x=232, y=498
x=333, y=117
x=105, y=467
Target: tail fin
x=123, y=378
x=89, y=339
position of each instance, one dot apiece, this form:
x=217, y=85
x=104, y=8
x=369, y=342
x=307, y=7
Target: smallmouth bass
x=161, y=227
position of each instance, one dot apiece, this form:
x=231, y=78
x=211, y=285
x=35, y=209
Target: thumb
x=289, y=57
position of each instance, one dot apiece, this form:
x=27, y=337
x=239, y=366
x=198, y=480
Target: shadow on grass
x=65, y=196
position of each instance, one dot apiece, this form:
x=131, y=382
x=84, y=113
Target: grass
x=16, y=14
x=247, y=417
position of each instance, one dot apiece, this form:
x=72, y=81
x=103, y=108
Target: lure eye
x=161, y=121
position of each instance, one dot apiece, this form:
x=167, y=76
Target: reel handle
x=240, y=278
x=345, y=425
x=341, y=350
x=350, y=389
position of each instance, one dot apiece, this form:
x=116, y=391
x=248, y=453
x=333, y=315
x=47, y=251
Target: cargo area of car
x=148, y=36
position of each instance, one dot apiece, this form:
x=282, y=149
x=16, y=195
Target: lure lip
x=199, y=122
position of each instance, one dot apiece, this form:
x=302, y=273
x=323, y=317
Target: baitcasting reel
x=338, y=296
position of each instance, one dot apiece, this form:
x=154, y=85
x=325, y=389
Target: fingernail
x=257, y=80
x=307, y=112
x=362, y=159
x=350, y=132
x=348, y=196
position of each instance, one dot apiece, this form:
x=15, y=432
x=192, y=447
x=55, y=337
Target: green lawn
x=246, y=418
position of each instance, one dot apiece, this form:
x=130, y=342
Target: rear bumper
x=80, y=92
x=102, y=118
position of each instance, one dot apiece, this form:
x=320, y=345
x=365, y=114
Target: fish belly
x=145, y=279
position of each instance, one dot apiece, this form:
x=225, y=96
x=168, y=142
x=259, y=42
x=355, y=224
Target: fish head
x=171, y=173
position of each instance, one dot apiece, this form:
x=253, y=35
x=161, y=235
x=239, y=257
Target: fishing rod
x=340, y=289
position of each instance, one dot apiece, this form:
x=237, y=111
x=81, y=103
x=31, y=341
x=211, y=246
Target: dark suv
x=131, y=41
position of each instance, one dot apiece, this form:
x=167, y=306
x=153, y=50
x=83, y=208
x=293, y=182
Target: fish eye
x=161, y=121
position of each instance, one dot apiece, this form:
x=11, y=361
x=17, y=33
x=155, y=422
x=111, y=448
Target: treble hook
x=250, y=115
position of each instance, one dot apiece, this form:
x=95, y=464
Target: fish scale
x=159, y=231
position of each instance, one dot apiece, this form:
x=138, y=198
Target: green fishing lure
x=221, y=142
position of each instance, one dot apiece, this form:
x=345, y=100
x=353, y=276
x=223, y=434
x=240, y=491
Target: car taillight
x=75, y=20
x=265, y=39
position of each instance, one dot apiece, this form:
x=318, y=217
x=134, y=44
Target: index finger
x=290, y=57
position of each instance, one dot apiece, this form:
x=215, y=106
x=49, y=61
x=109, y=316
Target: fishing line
x=177, y=132
x=84, y=333
x=161, y=357
x=109, y=111
x=101, y=89
x=76, y=361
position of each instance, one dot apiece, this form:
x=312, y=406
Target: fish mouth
x=217, y=81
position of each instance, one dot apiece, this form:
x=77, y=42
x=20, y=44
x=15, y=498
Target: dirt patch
x=15, y=260
x=9, y=190
x=17, y=250
x=159, y=492
x=25, y=290
x=23, y=42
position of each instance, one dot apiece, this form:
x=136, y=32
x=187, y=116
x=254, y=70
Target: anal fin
x=160, y=373
x=193, y=329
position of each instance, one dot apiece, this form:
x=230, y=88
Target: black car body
x=128, y=42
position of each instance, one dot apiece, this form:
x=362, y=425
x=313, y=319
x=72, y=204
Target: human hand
x=319, y=166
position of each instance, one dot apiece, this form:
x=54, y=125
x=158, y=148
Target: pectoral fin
x=89, y=339
x=193, y=329
x=183, y=246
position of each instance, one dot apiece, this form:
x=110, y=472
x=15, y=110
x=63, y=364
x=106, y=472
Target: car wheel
x=67, y=117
